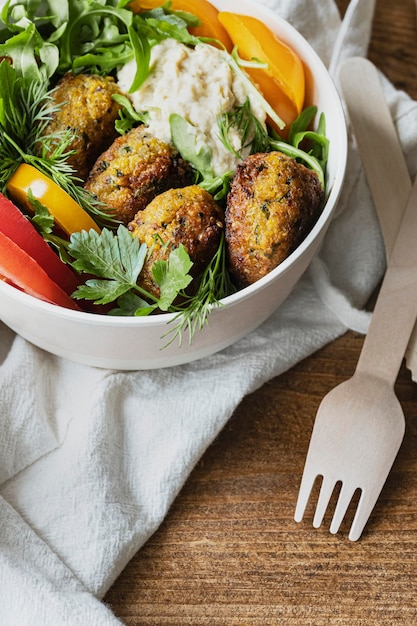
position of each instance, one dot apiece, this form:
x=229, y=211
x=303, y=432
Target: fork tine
x=326, y=490
x=345, y=497
x=359, y=522
x=364, y=509
x=307, y=482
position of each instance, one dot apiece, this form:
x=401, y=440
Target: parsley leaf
x=115, y=261
x=131, y=304
x=172, y=276
x=116, y=258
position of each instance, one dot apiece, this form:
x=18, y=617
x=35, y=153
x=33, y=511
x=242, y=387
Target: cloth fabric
x=91, y=460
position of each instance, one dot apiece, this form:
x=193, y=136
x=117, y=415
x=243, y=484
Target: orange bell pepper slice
x=68, y=214
x=19, y=269
x=282, y=82
x=210, y=26
x=17, y=227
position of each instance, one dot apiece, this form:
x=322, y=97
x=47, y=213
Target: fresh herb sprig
x=237, y=65
x=316, y=153
x=128, y=116
x=184, y=140
x=117, y=259
x=54, y=36
x=253, y=135
x=26, y=109
x=44, y=223
x=310, y=147
x=194, y=310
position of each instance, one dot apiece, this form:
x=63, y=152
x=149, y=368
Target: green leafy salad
x=41, y=41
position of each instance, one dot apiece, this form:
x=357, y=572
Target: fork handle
x=395, y=310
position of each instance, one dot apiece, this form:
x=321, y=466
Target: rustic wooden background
x=229, y=552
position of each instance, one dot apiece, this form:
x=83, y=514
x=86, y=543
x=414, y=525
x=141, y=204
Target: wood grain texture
x=229, y=552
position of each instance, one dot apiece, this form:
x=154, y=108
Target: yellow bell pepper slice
x=68, y=214
x=207, y=14
x=282, y=81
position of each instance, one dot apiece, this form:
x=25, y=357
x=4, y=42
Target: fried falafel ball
x=86, y=106
x=187, y=216
x=273, y=203
x=136, y=168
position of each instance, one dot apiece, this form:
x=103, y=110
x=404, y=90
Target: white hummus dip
x=197, y=84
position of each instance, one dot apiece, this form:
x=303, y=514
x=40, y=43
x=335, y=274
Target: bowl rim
x=330, y=201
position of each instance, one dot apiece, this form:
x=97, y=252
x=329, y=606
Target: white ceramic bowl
x=137, y=343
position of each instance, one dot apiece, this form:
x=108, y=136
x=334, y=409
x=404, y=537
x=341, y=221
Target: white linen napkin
x=90, y=460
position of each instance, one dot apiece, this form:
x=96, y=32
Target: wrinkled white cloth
x=91, y=460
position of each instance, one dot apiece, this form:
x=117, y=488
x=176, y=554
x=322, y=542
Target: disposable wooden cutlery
x=360, y=425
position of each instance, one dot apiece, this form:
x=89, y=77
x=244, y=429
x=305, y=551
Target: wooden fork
x=360, y=425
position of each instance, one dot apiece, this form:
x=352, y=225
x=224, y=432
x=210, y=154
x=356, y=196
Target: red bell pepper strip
x=17, y=227
x=22, y=270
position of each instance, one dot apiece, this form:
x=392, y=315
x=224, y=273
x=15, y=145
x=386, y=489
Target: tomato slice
x=68, y=214
x=282, y=82
x=17, y=227
x=207, y=14
x=18, y=268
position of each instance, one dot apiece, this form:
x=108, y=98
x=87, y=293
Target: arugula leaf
x=142, y=52
x=25, y=49
x=170, y=25
x=92, y=36
x=128, y=116
x=316, y=156
x=301, y=123
x=17, y=15
x=184, y=139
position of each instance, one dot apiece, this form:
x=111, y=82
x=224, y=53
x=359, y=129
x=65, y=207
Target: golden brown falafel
x=187, y=216
x=87, y=108
x=272, y=204
x=136, y=168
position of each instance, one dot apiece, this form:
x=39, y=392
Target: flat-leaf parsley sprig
x=116, y=261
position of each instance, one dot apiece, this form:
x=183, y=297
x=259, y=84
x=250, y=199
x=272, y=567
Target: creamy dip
x=197, y=84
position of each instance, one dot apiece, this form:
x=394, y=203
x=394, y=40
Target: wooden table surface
x=229, y=552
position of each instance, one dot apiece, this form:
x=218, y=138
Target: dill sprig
x=193, y=312
x=242, y=119
x=25, y=111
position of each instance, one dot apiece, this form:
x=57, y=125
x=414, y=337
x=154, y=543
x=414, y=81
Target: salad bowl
x=134, y=343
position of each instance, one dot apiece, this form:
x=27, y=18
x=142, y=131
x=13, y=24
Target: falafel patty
x=136, y=168
x=273, y=203
x=87, y=108
x=187, y=216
